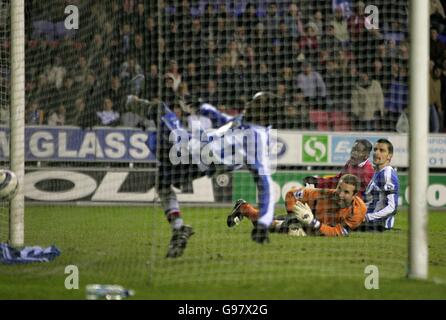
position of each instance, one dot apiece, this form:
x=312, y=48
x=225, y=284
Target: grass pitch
x=127, y=245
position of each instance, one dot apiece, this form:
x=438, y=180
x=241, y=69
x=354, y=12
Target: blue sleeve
x=218, y=118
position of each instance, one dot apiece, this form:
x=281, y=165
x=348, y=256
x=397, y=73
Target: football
x=8, y=184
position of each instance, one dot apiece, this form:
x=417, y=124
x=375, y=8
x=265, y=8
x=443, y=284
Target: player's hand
x=296, y=230
x=260, y=234
x=310, y=180
x=305, y=215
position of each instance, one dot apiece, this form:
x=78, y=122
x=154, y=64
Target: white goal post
x=418, y=138
x=17, y=124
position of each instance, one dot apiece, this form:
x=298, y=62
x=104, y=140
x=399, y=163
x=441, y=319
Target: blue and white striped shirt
x=382, y=197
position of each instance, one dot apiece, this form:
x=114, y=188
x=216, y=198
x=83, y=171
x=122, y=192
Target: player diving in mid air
x=244, y=141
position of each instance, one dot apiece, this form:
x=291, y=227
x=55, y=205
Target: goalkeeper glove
x=260, y=233
x=305, y=215
x=296, y=230
x=310, y=181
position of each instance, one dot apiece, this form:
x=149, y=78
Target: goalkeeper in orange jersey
x=310, y=211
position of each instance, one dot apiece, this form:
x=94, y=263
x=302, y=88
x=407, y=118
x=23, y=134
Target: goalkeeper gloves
x=305, y=215
x=310, y=181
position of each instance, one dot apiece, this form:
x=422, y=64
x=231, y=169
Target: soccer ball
x=8, y=184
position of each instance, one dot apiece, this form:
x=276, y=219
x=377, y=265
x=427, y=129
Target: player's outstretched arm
x=217, y=117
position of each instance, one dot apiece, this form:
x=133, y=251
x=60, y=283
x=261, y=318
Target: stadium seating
x=340, y=121
x=320, y=119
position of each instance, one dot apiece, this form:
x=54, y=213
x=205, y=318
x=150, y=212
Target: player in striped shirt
x=382, y=191
x=248, y=140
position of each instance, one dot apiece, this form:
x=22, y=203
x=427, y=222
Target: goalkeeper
x=173, y=173
x=310, y=211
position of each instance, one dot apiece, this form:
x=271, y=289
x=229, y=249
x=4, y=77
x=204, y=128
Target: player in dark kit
x=249, y=139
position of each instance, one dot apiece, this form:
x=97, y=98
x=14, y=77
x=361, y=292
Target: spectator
x=340, y=26
x=82, y=69
x=168, y=94
x=192, y=78
x=264, y=78
x=208, y=58
x=259, y=45
x=57, y=117
x=194, y=48
x=209, y=19
x=41, y=92
x=333, y=85
x=397, y=98
x=309, y=43
x=436, y=47
x=125, y=39
x=396, y=32
x=152, y=83
x=96, y=51
x=367, y=103
x=68, y=93
x=151, y=40
x=272, y=21
x=435, y=105
x=318, y=21
x=108, y=117
x=34, y=114
x=77, y=116
x=221, y=34
x=106, y=72
x=293, y=21
x=437, y=15
x=140, y=17
x=356, y=22
x=299, y=107
x=56, y=73
x=249, y=19
x=311, y=83
x=139, y=51
x=117, y=93
x=377, y=73
x=90, y=89
x=132, y=76
x=174, y=74
x=329, y=41
x=443, y=91
x=210, y=94
x=402, y=125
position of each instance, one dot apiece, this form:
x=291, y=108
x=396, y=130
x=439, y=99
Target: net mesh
x=5, y=27
x=94, y=132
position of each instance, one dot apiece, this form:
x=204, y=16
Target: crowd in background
x=330, y=68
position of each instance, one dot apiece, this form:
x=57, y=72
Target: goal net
x=128, y=142
x=4, y=105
